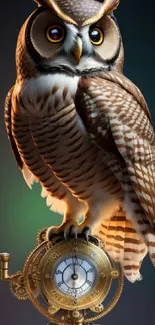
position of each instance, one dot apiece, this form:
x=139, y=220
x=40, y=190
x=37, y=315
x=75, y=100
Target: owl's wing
x=123, y=244
x=117, y=118
x=26, y=154
x=28, y=176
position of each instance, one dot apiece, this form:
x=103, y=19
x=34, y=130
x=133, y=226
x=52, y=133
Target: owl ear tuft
x=53, y=5
x=45, y=3
x=108, y=7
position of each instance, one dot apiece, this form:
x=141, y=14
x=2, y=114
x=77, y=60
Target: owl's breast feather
x=45, y=94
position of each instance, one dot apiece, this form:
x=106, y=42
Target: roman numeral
x=75, y=260
x=58, y=272
x=89, y=282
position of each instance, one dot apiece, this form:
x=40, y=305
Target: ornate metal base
x=74, y=318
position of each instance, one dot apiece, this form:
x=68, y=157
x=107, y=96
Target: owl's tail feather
x=123, y=244
x=147, y=232
x=150, y=241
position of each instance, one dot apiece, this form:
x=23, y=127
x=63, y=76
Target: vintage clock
x=67, y=281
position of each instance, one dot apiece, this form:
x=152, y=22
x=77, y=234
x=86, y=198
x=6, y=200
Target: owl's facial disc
x=62, y=46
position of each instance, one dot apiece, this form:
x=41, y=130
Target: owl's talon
x=73, y=231
x=86, y=232
x=70, y=232
x=66, y=234
x=52, y=232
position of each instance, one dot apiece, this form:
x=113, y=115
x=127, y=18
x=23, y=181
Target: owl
x=82, y=130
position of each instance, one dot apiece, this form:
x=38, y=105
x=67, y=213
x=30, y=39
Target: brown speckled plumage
x=83, y=130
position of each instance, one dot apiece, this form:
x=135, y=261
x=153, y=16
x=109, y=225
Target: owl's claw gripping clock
x=86, y=232
x=74, y=230
x=71, y=231
x=68, y=229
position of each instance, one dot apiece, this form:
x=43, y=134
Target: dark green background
x=23, y=212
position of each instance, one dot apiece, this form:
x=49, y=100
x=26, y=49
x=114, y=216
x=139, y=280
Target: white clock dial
x=75, y=276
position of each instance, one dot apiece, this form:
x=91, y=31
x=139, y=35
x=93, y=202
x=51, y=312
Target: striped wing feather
x=123, y=244
x=28, y=176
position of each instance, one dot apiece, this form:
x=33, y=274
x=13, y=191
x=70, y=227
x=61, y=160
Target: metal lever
x=4, y=259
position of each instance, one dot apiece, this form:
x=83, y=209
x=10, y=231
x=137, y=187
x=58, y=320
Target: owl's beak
x=77, y=52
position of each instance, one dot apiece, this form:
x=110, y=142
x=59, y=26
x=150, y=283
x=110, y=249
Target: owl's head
x=76, y=37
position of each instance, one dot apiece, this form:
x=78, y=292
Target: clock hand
x=74, y=275
x=77, y=262
x=73, y=264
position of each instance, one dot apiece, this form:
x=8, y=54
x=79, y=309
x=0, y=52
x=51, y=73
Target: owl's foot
x=68, y=229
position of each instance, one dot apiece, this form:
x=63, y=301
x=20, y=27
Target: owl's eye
x=96, y=36
x=55, y=33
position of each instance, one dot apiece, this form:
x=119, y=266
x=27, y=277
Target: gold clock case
x=88, y=251
x=36, y=281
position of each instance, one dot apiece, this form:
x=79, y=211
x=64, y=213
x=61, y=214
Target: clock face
x=75, y=276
